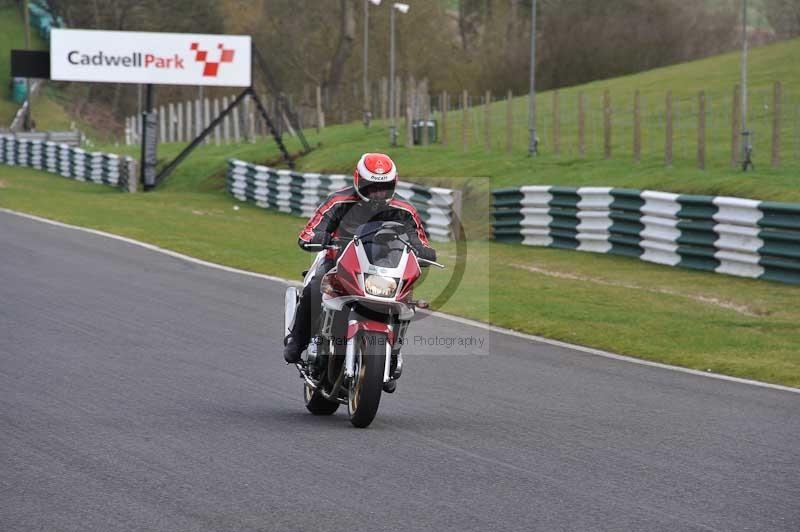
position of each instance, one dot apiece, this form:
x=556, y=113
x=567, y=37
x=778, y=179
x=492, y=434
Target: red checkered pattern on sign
x=211, y=68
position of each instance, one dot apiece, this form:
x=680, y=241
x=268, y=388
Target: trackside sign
x=147, y=57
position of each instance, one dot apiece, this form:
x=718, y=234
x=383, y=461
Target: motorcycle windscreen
x=382, y=250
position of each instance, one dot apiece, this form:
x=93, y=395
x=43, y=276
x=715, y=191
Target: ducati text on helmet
x=375, y=177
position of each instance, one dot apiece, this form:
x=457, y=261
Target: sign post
x=149, y=141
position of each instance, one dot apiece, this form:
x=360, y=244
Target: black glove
x=322, y=239
x=426, y=253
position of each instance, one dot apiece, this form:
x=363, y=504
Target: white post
x=188, y=113
x=171, y=123
x=236, y=115
x=226, y=122
x=133, y=175
x=179, y=116
x=251, y=120
x=162, y=124
x=198, y=117
x=746, y=146
x=216, y=129
x=533, y=141
x=206, y=115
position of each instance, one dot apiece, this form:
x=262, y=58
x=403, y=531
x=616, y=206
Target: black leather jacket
x=344, y=211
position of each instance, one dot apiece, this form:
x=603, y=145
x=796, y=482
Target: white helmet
x=375, y=177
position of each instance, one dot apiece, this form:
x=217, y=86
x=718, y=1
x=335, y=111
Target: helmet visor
x=377, y=191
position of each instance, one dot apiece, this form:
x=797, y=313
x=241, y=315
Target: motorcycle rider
x=370, y=198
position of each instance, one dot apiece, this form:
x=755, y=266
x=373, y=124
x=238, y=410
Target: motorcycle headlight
x=377, y=285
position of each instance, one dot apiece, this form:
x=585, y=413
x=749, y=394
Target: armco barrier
x=301, y=193
x=67, y=161
x=744, y=237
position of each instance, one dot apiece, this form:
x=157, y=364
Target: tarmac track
x=139, y=391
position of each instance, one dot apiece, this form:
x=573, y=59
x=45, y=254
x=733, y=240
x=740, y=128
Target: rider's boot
x=292, y=349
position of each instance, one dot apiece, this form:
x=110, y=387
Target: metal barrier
x=300, y=193
x=744, y=237
x=71, y=138
x=67, y=161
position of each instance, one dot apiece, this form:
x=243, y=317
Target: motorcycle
x=366, y=308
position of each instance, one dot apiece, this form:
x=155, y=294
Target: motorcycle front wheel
x=364, y=391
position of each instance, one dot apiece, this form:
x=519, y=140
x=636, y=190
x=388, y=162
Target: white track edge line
x=458, y=319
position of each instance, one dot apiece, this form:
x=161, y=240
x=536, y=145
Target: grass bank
x=699, y=320
x=339, y=145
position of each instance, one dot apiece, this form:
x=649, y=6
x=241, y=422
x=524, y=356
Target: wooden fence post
x=735, y=127
x=637, y=127
x=607, y=124
x=509, y=122
x=384, y=88
x=581, y=124
x=556, y=124
x=668, y=130
x=445, y=106
x=426, y=114
x=398, y=97
x=464, y=119
x=776, y=125
x=320, y=114
x=409, y=113
x=701, y=130
x=487, y=119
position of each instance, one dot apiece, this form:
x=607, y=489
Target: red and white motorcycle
x=366, y=308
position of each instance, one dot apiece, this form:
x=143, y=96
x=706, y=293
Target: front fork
x=393, y=367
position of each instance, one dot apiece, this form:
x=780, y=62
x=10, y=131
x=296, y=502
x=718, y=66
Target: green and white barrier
x=74, y=163
x=744, y=237
x=300, y=193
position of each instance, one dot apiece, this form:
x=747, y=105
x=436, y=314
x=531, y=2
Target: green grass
x=704, y=321
x=699, y=320
x=716, y=76
x=341, y=145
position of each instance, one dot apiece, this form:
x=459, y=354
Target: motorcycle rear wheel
x=316, y=404
x=364, y=392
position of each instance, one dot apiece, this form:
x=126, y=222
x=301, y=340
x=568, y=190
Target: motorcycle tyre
x=372, y=350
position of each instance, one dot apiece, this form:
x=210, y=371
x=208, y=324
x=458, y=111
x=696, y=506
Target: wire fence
x=649, y=126
x=704, y=128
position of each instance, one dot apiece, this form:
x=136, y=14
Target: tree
x=347, y=30
x=784, y=17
